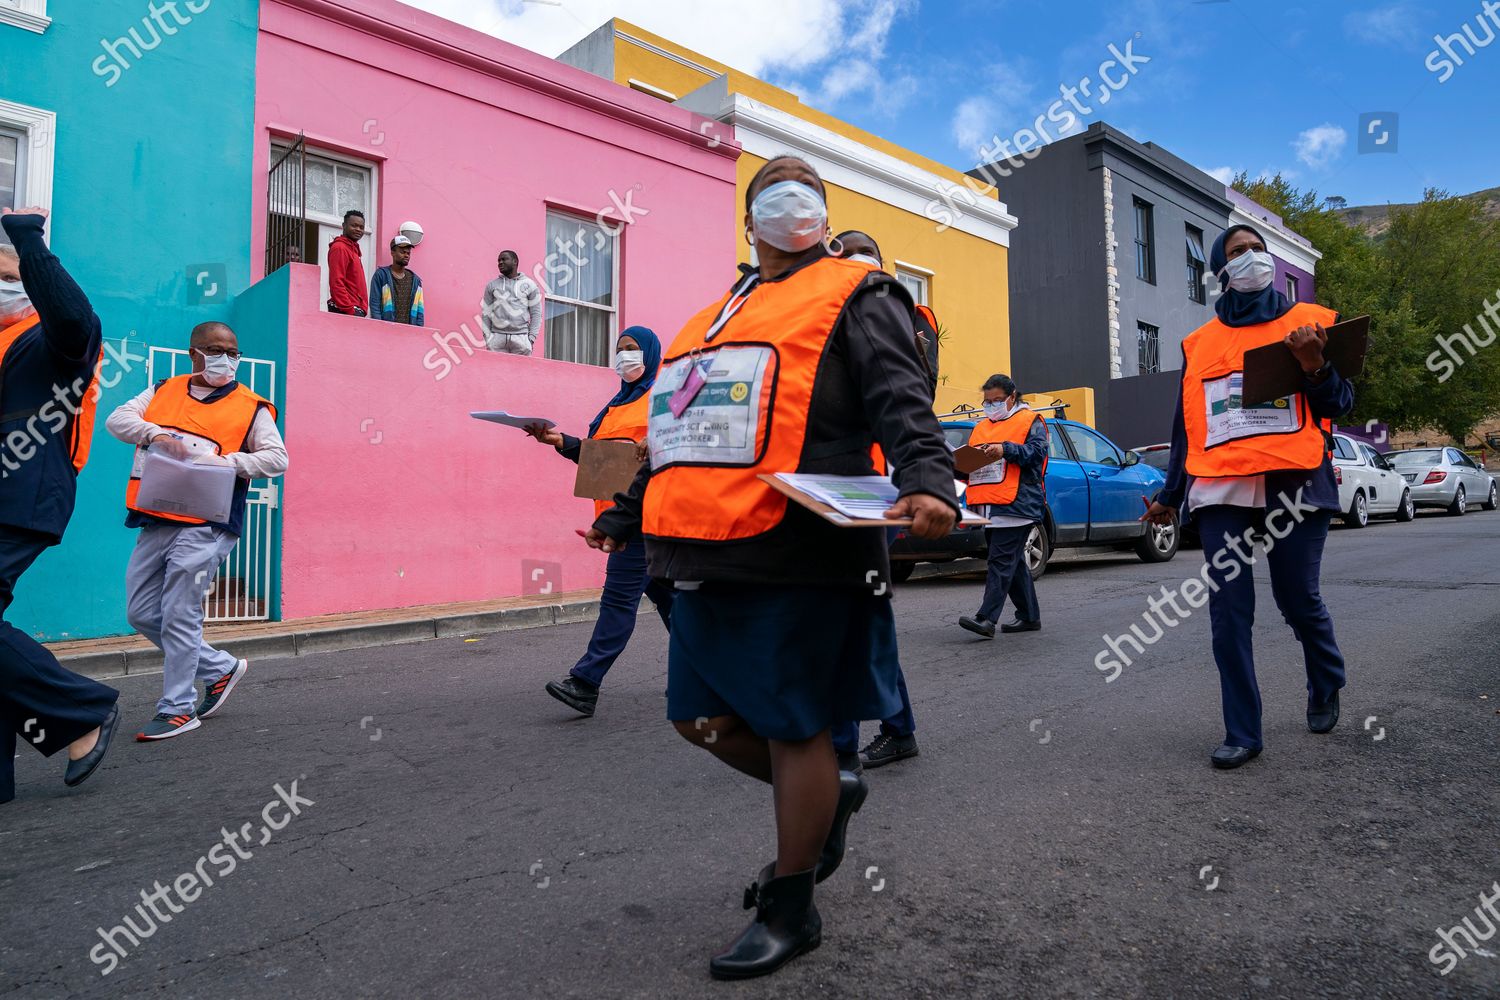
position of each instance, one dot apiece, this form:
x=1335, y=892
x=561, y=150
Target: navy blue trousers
x=625, y=580
x=45, y=705
x=1295, y=562
x=1008, y=575
x=903, y=723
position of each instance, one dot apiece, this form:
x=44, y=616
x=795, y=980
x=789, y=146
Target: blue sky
x=1230, y=84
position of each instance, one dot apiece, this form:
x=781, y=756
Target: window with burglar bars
x=1195, y=265
x=1145, y=239
x=582, y=310
x=286, y=205
x=1147, y=348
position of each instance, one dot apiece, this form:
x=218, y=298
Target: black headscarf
x=1236, y=308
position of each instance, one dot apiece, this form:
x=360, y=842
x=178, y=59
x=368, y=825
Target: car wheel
x=1492, y=502
x=1408, y=510
x=1460, y=502
x=1159, y=543
x=902, y=570
x=1358, y=514
x=1037, y=551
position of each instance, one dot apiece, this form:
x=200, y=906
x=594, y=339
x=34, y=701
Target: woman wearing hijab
x=800, y=367
x=1261, y=470
x=637, y=357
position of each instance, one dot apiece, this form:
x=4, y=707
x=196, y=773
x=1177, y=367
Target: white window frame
x=612, y=230
x=28, y=14
x=920, y=276
x=1293, y=287
x=38, y=149
x=279, y=146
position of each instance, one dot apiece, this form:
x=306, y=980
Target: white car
x=1368, y=485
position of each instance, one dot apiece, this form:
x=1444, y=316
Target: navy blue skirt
x=790, y=661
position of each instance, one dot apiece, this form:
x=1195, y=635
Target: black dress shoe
x=580, y=696
x=978, y=625
x=1323, y=718
x=79, y=770
x=1228, y=757
x=1021, y=626
x=786, y=925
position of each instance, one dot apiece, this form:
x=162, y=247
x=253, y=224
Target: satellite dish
x=412, y=231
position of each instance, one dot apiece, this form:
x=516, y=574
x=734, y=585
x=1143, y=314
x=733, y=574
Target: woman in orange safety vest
x=800, y=367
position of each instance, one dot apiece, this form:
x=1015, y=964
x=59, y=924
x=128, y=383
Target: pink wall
x=474, y=138
x=395, y=497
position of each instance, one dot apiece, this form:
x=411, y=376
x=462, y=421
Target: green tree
x=1429, y=275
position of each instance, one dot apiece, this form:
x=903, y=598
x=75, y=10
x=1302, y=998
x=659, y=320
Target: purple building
x=1296, y=259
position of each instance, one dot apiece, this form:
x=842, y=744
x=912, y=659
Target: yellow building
x=946, y=241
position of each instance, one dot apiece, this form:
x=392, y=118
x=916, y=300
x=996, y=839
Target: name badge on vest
x=725, y=402
x=694, y=378
x=985, y=475
x=1229, y=419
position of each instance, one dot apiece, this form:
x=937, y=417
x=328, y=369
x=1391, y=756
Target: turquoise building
x=132, y=122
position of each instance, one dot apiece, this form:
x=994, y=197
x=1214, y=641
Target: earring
x=749, y=236
x=835, y=241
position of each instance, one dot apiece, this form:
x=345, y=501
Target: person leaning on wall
x=1262, y=469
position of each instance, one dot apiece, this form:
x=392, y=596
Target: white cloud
x=1224, y=175
x=1395, y=24
x=973, y=122
x=998, y=110
x=1319, y=146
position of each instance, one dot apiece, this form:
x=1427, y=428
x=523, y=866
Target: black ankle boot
x=852, y=792
x=786, y=924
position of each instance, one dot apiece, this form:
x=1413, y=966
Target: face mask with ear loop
x=1251, y=271
x=790, y=216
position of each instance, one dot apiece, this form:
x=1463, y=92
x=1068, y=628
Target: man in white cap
x=395, y=290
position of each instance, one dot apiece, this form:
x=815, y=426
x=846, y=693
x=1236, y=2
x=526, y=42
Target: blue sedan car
x=1094, y=491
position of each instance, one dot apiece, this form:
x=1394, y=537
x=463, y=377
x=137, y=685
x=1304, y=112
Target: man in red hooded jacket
x=346, y=272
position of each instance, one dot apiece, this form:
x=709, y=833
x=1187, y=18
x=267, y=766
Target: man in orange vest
x=1011, y=492
x=208, y=417
x=50, y=341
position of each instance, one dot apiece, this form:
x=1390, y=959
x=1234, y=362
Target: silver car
x=1445, y=477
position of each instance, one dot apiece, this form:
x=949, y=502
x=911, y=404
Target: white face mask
x=790, y=216
x=863, y=258
x=630, y=365
x=15, y=304
x=220, y=370
x=998, y=411
x=1251, y=271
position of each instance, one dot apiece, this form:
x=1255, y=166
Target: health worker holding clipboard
x=1258, y=472
x=637, y=357
x=800, y=367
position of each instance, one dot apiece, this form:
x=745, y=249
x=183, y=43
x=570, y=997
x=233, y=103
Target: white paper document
x=858, y=497
x=511, y=419
x=187, y=489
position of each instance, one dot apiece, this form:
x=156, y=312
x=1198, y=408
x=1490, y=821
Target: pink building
x=622, y=206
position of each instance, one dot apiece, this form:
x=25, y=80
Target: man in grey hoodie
x=511, y=309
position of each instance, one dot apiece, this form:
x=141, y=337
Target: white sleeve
x=265, y=455
x=128, y=422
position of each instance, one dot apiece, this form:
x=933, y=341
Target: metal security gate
x=286, y=206
x=241, y=592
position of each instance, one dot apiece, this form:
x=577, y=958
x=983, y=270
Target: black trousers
x=40, y=702
x=1009, y=576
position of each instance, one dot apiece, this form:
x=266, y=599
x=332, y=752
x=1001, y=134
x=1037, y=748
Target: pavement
x=459, y=834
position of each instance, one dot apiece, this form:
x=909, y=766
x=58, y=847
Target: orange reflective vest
x=998, y=483
x=221, y=423
x=81, y=433
x=1227, y=439
x=626, y=422
x=751, y=415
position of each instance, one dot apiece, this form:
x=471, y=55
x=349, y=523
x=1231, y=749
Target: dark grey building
x=1107, y=274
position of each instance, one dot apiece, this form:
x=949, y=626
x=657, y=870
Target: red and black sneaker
x=217, y=693
x=165, y=726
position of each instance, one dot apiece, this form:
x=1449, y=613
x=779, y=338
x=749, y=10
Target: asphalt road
x=1059, y=835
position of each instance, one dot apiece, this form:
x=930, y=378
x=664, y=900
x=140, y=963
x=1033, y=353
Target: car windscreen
x=1428, y=456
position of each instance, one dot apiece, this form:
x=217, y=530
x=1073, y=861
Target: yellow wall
x=969, y=289
x=1080, y=402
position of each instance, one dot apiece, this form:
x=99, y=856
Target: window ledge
x=24, y=19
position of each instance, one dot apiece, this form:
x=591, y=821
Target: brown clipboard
x=605, y=468
x=843, y=521
x=1272, y=371
x=971, y=459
